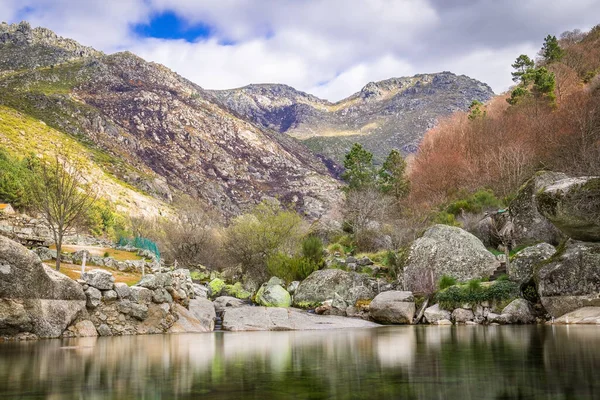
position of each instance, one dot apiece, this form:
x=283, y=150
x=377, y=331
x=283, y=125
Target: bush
x=255, y=237
x=290, y=268
x=474, y=292
x=478, y=202
x=312, y=249
x=14, y=175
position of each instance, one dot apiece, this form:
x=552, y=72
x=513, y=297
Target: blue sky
x=330, y=48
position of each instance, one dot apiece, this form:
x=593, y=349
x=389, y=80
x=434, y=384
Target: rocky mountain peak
x=25, y=47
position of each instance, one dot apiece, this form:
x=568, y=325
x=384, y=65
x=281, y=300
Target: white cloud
x=330, y=48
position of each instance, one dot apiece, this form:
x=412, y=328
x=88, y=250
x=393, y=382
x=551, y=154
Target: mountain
x=393, y=113
x=150, y=129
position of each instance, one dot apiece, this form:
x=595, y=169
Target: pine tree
x=551, y=50
x=392, y=179
x=523, y=66
x=359, y=170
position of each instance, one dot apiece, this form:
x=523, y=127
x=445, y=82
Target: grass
x=74, y=272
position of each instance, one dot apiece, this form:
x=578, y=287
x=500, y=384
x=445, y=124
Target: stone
x=135, y=310
x=140, y=294
x=237, y=290
x=81, y=329
x=200, y=291
x=204, y=311
x=583, y=316
x=434, y=314
x=155, y=281
x=329, y=283
x=45, y=254
x=272, y=294
x=99, y=278
x=446, y=250
x=225, y=302
x=34, y=298
x=123, y=291
x=519, y=312
x=276, y=281
x=215, y=288
x=573, y=206
x=393, y=307
x=443, y=322
x=161, y=295
x=278, y=319
x=462, y=315
x=93, y=297
x=529, y=226
x=104, y=330
x=292, y=287
x=570, y=279
x=521, y=268
x=364, y=261
x=109, y=295
x=187, y=322
x=501, y=319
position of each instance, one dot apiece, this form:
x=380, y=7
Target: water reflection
x=432, y=362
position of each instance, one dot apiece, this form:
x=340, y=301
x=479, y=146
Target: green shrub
x=477, y=202
x=106, y=254
x=14, y=176
x=312, y=249
x=290, y=268
x=446, y=281
x=445, y=218
x=335, y=248
x=474, y=292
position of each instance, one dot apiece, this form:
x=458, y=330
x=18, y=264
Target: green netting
x=140, y=243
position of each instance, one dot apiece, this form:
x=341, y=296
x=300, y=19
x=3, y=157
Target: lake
x=422, y=362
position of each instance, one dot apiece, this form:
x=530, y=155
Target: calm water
x=520, y=362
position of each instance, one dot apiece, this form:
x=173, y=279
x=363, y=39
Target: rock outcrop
x=570, y=279
x=531, y=227
x=34, y=298
x=583, y=316
x=573, y=206
x=285, y=319
x=446, y=250
x=434, y=314
x=393, y=307
x=330, y=284
x=522, y=265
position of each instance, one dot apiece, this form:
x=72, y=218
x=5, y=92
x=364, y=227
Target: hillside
x=394, y=113
x=150, y=128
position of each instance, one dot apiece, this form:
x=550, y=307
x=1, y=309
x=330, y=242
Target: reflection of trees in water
x=396, y=362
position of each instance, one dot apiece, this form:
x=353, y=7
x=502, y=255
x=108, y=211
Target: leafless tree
x=364, y=212
x=62, y=195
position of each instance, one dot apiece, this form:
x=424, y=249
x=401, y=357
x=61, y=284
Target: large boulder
x=272, y=294
x=204, y=311
x=188, y=323
x=33, y=297
x=434, y=314
x=280, y=319
x=446, y=250
x=522, y=265
x=393, y=307
x=519, y=311
x=333, y=283
x=573, y=206
x=529, y=226
x=570, y=279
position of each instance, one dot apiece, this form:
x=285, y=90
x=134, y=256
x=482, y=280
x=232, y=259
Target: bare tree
x=62, y=195
x=365, y=209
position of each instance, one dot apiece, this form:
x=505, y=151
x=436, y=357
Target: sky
x=329, y=48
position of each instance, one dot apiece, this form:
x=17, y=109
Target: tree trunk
x=58, y=251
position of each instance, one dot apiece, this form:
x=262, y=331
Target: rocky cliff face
x=394, y=113
x=161, y=133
